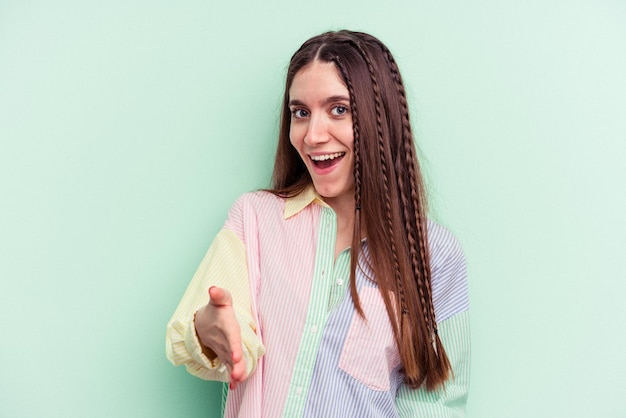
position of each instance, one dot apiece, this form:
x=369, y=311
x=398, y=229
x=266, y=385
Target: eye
x=299, y=113
x=339, y=110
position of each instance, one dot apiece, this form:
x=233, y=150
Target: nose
x=317, y=131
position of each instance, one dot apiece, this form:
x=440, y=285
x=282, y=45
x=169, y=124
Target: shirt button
x=313, y=329
x=323, y=272
x=339, y=282
x=298, y=391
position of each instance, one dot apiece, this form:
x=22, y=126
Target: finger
x=237, y=353
x=238, y=372
x=237, y=379
x=219, y=297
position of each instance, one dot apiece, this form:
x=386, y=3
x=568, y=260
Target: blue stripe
x=334, y=392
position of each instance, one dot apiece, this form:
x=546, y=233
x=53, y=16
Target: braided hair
x=388, y=187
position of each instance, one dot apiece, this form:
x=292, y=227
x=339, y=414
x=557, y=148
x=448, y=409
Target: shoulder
x=257, y=201
x=448, y=272
x=442, y=243
x=253, y=207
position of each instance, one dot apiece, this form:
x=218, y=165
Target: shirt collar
x=295, y=204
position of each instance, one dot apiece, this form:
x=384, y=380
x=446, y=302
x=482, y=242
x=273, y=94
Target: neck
x=344, y=209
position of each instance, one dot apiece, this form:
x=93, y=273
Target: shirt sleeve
x=225, y=266
x=449, y=401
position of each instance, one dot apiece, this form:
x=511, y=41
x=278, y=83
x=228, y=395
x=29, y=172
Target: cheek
x=348, y=135
x=296, y=143
x=296, y=136
x=347, y=132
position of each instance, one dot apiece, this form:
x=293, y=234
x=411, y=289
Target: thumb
x=219, y=297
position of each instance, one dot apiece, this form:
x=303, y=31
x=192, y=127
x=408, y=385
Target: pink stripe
x=283, y=250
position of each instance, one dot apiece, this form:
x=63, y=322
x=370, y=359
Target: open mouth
x=327, y=160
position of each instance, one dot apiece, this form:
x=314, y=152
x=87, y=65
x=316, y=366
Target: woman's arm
x=224, y=266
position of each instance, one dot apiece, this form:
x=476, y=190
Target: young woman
x=332, y=295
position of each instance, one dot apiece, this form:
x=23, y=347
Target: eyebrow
x=326, y=101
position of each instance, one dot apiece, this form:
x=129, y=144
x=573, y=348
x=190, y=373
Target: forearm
x=224, y=266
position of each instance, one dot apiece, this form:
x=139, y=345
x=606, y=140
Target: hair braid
x=410, y=158
x=409, y=221
x=414, y=361
x=357, y=182
x=423, y=275
x=384, y=171
x=357, y=135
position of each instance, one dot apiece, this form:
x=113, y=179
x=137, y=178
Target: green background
x=128, y=128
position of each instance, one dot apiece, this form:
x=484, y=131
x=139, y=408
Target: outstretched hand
x=218, y=331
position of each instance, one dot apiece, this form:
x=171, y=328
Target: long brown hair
x=389, y=193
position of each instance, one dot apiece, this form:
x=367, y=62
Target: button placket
x=323, y=281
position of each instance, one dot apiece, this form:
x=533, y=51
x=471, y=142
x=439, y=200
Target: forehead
x=317, y=79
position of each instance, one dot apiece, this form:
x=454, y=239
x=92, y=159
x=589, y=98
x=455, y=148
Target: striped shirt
x=308, y=352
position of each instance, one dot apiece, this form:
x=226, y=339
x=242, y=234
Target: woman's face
x=321, y=129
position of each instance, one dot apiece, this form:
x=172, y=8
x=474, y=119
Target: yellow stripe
x=225, y=266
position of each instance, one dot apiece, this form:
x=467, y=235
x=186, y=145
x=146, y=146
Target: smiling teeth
x=327, y=156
